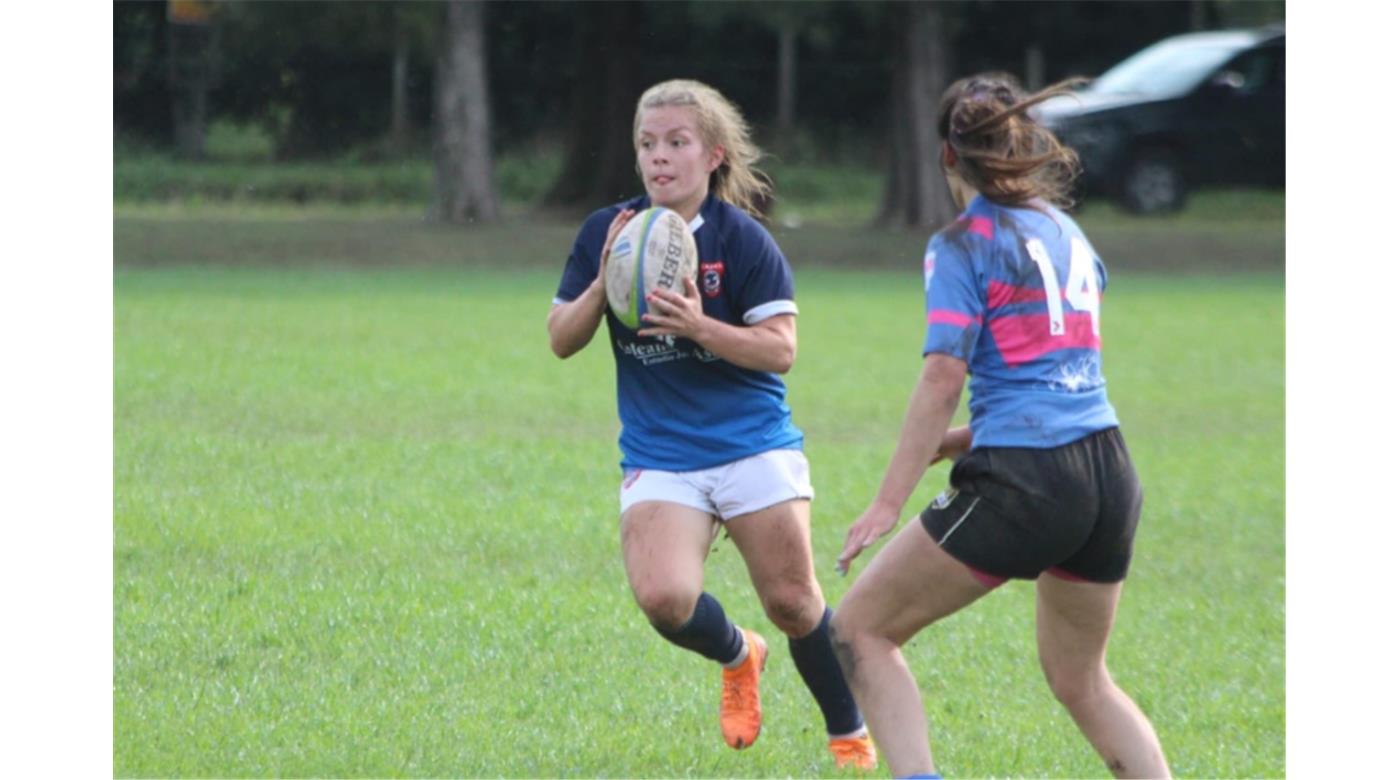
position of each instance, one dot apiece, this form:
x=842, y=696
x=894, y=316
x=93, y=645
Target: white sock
x=743, y=653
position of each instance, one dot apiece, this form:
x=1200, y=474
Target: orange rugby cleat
x=854, y=752
x=740, y=712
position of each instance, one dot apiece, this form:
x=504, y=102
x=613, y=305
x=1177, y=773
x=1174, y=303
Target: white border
x=56, y=320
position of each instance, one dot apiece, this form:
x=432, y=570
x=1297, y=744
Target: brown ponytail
x=1001, y=151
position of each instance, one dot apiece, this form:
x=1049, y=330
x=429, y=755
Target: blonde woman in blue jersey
x=1043, y=487
x=707, y=437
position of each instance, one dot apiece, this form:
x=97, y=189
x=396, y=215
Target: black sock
x=816, y=662
x=708, y=632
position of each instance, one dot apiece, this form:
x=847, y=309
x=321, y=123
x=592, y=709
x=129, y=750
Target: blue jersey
x=682, y=408
x=1015, y=293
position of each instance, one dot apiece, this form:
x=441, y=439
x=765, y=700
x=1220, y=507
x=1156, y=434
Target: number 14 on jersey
x=1081, y=288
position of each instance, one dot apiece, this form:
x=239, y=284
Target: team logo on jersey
x=1075, y=376
x=711, y=275
x=929, y=257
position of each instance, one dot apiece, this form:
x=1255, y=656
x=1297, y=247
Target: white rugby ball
x=654, y=250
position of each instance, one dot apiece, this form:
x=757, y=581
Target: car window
x=1254, y=71
x=1165, y=69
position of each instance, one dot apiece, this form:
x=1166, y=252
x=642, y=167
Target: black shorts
x=1014, y=512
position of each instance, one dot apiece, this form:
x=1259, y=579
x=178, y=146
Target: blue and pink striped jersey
x=1015, y=293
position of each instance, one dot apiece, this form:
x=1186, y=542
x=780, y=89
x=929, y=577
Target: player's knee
x=853, y=626
x=666, y=607
x=841, y=623
x=853, y=629
x=1075, y=685
x=795, y=609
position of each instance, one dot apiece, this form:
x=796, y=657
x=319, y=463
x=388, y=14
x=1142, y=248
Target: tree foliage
x=319, y=77
x=141, y=105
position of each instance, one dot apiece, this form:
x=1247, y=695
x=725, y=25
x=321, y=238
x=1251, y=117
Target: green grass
x=364, y=522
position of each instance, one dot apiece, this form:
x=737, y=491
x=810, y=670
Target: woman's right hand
x=571, y=325
x=618, y=223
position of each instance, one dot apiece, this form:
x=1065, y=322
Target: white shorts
x=738, y=488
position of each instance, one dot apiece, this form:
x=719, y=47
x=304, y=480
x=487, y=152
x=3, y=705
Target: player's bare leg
x=777, y=547
x=910, y=583
x=1073, y=620
x=664, y=546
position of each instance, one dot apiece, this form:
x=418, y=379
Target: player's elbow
x=561, y=347
x=943, y=376
x=559, y=340
x=786, y=363
x=779, y=343
x=559, y=344
x=784, y=358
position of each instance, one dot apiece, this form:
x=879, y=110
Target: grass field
x=365, y=523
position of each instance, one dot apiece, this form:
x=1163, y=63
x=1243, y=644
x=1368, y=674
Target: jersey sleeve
x=765, y=286
x=954, y=300
x=582, y=266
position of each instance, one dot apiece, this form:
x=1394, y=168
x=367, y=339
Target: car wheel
x=1153, y=184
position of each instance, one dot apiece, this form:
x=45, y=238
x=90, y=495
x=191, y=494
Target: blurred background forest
x=531, y=102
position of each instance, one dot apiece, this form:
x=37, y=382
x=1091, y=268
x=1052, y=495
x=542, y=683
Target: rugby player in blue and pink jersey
x=707, y=436
x=1043, y=487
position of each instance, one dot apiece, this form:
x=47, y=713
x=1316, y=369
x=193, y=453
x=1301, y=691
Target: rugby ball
x=654, y=250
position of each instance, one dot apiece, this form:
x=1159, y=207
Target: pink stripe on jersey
x=1023, y=338
x=982, y=226
x=1003, y=294
x=950, y=317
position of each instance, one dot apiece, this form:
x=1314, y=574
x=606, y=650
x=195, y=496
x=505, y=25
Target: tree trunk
x=191, y=41
x=465, y=177
x=1035, y=68
x=599, y=160
x=916, y=194
x=398, y=95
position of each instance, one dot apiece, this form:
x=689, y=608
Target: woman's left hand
x=672, y=314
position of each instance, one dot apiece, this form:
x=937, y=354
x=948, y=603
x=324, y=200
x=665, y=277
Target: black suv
x=1197, y=109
